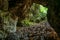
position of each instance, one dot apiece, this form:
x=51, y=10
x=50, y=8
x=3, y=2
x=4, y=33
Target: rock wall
x=54, y=15
x=22, y=6
x=41, y=31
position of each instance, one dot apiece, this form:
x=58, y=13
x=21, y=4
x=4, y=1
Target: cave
x=53, y=15
x=53, y=10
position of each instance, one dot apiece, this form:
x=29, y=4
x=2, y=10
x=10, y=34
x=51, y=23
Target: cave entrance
x=39, y=12
x=36, y=14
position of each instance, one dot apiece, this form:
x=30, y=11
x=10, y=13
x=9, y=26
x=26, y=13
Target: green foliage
x=43, y=9
x=26, y=22
x=36, y=14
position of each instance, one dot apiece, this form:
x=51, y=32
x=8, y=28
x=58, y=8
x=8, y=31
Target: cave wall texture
x=22, y=6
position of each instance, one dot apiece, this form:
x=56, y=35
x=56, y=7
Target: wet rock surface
x=41, y=31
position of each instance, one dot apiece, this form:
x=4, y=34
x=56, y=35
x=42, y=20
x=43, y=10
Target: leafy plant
x=36, y=14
